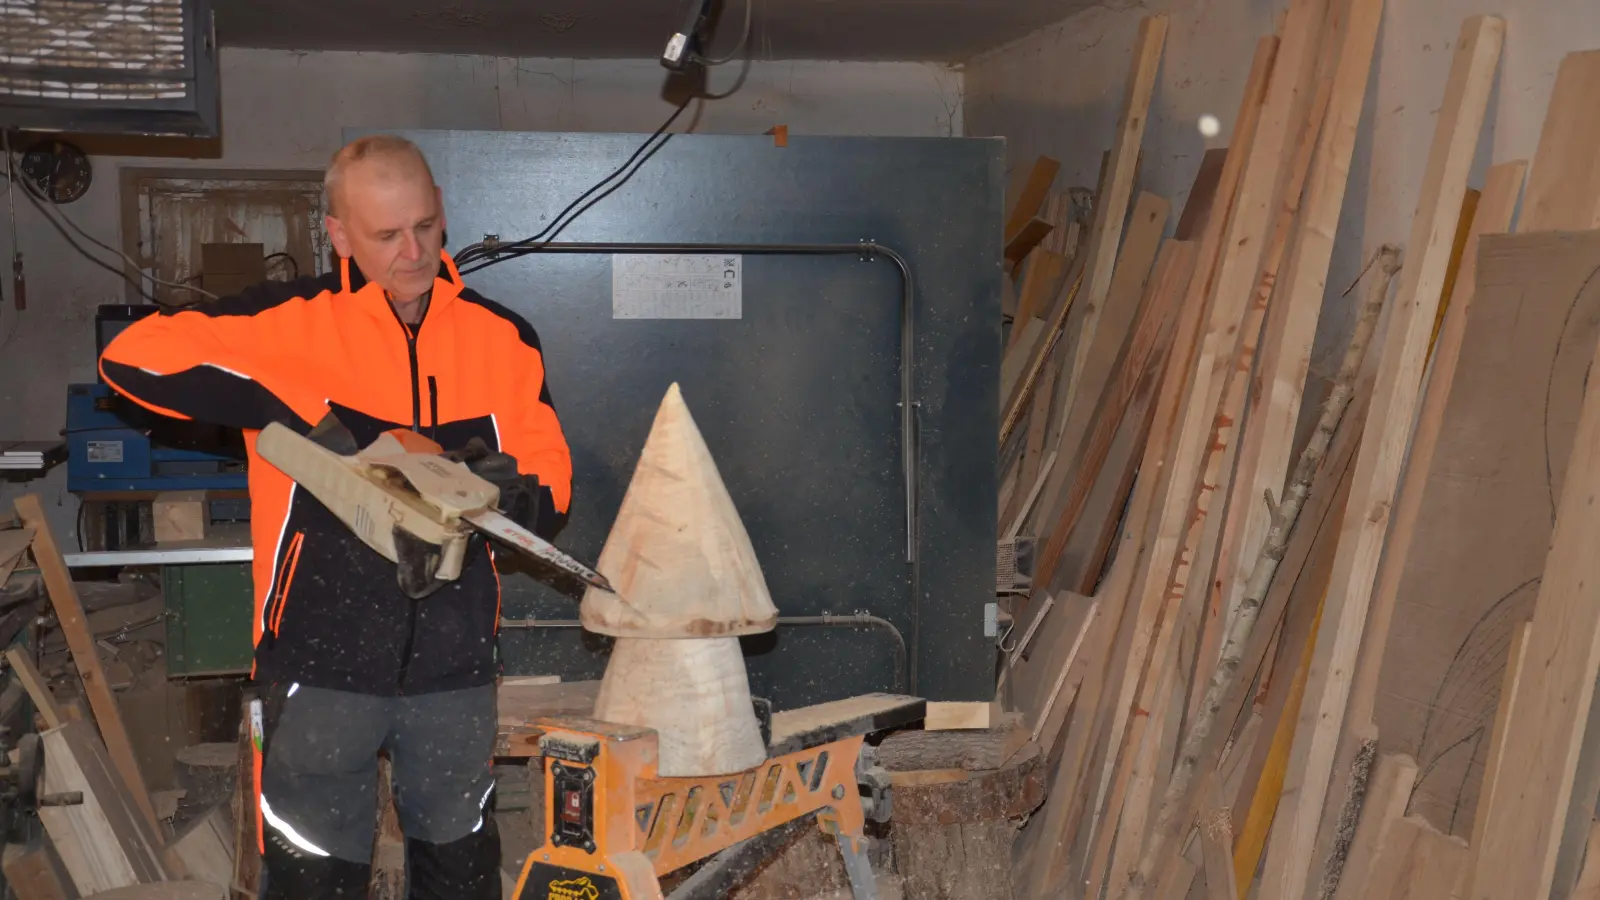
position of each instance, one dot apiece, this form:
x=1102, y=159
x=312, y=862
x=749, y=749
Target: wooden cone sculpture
x=687, y=584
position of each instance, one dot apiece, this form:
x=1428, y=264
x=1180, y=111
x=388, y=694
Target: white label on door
x=676, y=286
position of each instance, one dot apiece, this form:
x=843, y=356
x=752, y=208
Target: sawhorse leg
x=853, y=847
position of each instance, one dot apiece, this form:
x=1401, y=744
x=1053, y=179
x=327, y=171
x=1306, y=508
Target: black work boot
x=465, y=869
x=291, y=874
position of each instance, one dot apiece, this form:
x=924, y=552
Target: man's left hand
x=519, y=494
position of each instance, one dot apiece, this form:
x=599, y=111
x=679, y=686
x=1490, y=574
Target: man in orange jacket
x=347, y=664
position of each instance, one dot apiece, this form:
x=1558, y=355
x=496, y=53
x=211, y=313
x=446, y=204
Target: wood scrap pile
x=1222, y=545
x=102, y=833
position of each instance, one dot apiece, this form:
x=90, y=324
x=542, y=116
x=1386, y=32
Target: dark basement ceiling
x=929, y=30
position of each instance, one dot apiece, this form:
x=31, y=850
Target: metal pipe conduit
x=826, y=621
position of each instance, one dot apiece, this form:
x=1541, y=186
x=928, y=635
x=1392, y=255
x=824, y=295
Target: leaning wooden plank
x=1202, y=195
x=1493, y=216
x=1153, y=346
x=1047, y=724
x=1246, y=645
x=1384, y=806
x=1497, y=744
x=1058, y=211
x=1202, y=609
x=1033, y=369
x=1136, y=806
x=1033, y=445
x=1113, y=352
x=1262, y=800
x=1588, y=887
x=1083, y=562
x=1205, y=261
x=102, y=841
x=1040, y=284
x=34, y=871
x=1438, y=376
x=1564, y=186
x=1122, y=304
x=64, y=598
x=38, y=689
x=1263, y=177
x=1523, y=829
x=1110, y=354
x=1017, y=358
x=1030, y=200
x=1285, y=358
x=1044, y=844
x=1383, y=449
x=1025, y=241
x=1458, y=257
x=1484, y=527
x=1153, y=630
x=1111, y=207
x=1216, y=849
x=1417, y=862
x=206, y=847
x=1044, y=847
x=1068, y=540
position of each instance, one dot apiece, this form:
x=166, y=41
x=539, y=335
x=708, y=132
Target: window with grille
x=108, y=66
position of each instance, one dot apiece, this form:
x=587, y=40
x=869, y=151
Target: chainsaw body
x=405, y=502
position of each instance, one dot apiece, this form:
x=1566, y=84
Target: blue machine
x=114, y=446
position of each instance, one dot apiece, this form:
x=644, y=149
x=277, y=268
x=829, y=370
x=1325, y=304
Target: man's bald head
x=386, y=213
x=379, y=155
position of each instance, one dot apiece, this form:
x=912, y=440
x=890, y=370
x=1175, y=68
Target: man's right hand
x=333, y=435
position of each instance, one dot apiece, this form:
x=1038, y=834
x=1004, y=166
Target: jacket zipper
x=416, y=426
x=433, y=407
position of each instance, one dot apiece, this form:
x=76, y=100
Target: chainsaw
x=408, y=501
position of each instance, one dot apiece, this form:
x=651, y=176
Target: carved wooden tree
x=687, y=584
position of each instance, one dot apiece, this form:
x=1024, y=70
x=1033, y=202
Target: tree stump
x=208, y=775
x=952, y=838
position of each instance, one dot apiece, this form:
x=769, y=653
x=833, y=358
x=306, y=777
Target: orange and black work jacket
x=328, y=609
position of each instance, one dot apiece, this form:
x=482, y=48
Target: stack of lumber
x=104, y=833
x=1236, y=563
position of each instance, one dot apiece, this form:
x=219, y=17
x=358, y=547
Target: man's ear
x=339, y=237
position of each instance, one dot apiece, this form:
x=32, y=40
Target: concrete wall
x=286, y=110
x=1058, y=92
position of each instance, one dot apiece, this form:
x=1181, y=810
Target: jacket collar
x=447, y=285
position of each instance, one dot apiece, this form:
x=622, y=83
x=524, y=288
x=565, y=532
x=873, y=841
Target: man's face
x=391, y=222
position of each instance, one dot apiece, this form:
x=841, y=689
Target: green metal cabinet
x=209, y=607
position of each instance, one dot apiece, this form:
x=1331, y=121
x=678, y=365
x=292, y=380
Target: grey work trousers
x=318, y=797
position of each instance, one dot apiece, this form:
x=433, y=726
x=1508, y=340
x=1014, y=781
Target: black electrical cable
x=490, y=255
x=32, y=194
x=744, y=38
x=288, y=256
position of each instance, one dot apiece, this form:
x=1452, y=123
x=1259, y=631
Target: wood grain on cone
x=678, y=554
x=695, y=694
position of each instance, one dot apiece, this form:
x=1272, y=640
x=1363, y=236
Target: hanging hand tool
x=19, y=285
x=407, y=501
